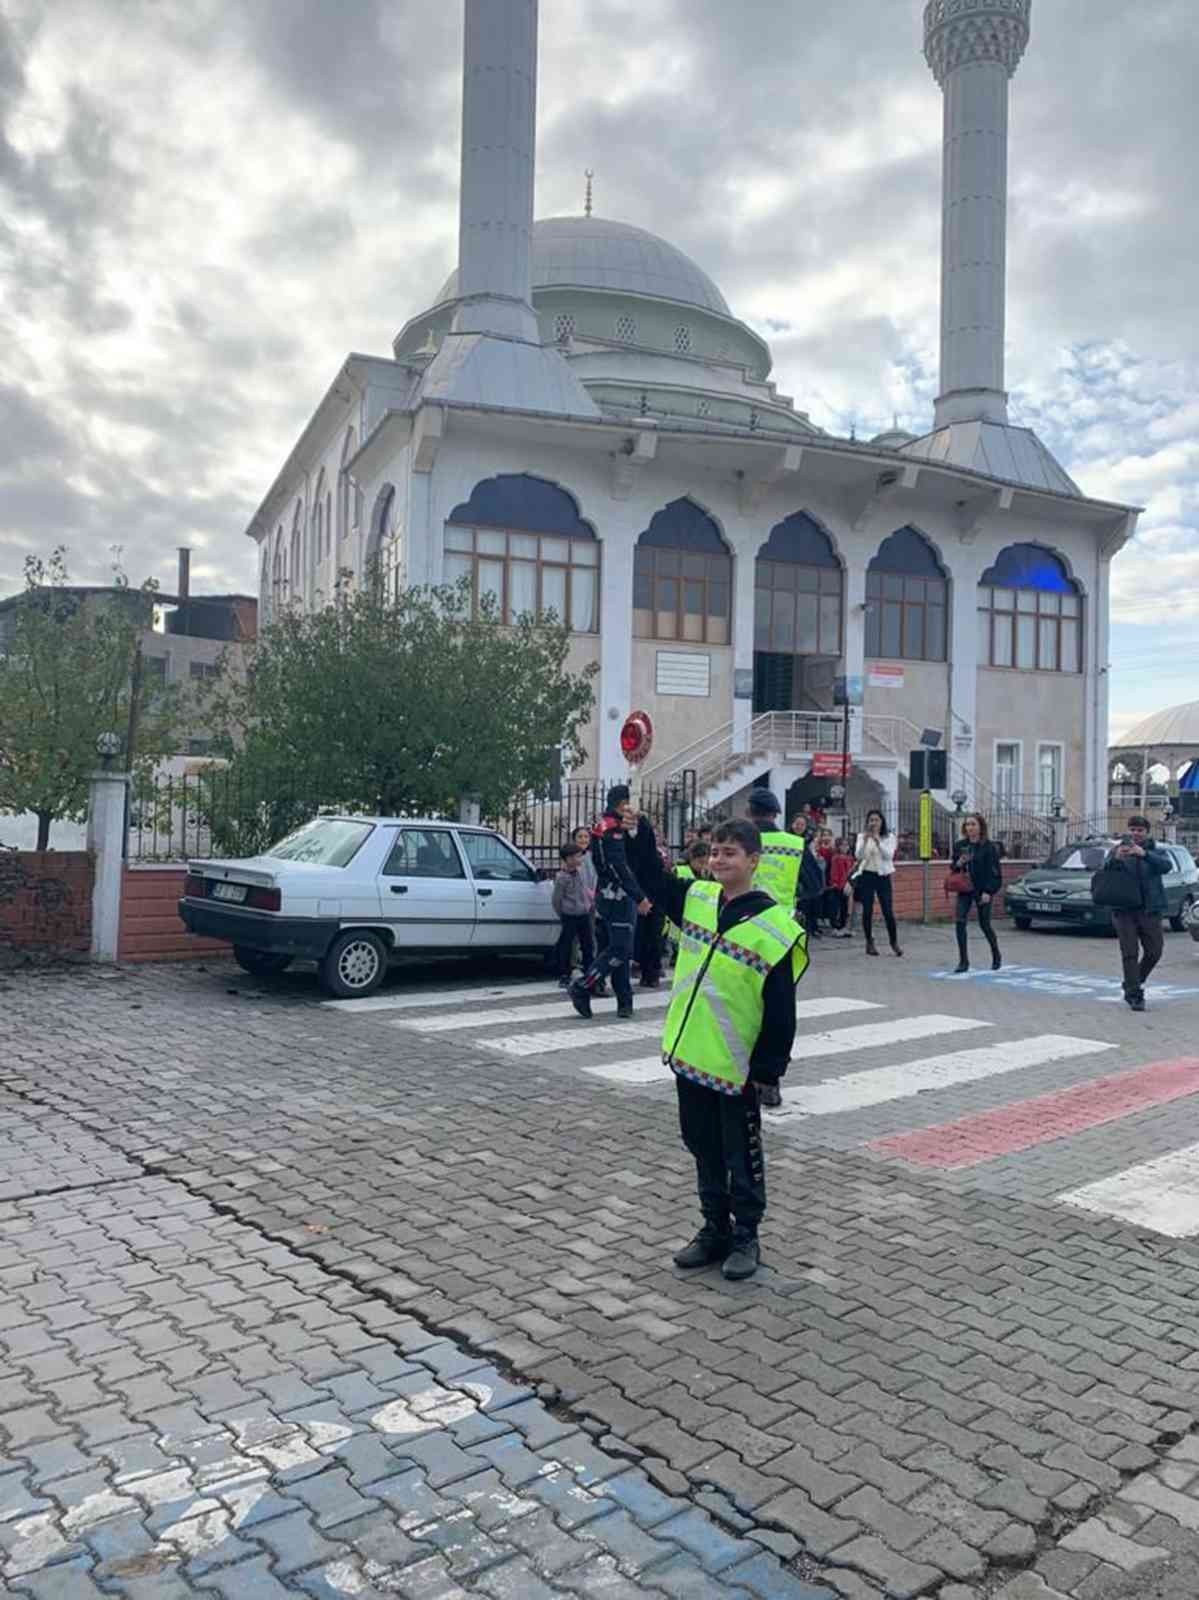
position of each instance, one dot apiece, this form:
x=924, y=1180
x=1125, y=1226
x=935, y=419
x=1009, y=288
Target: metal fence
x=538, y=826
x=220, y=811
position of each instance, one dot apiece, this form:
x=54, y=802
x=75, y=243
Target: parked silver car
x=351, y=893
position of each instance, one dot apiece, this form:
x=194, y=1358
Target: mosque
x=580, y=422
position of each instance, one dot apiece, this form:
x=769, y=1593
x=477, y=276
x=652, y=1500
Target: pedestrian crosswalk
x=849, y=1071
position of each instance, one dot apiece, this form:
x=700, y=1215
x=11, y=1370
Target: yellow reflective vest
x=716, y=1005
x=778, y=871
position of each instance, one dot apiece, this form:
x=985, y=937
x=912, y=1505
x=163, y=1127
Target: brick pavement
x=933, y=1389
x=187, y=1408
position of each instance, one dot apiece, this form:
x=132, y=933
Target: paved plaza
x=376, y=1298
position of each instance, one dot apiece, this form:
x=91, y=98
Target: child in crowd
x=572, y=906
x=838, y=905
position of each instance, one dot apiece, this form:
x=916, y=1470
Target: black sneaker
x=1136, y=1002
x=623, y=1013
x=564, y=983
x=708, y=1246
x=769, y=1095
x=742, y=1259
x=580, y=999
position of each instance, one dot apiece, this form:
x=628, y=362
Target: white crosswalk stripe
x=857, y=1090
x=844, y=1041
x=650, y=1069
x=539, y=1013
x=442, y=997
x=1162, y=1194
x=579, y=1037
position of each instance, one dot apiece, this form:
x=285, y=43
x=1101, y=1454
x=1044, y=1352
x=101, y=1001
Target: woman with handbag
x=975, y=878
x=874, y=852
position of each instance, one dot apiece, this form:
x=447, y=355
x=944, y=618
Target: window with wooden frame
x=523, y=545
x=906, y=601
x=682, y=578
x=1029, y=613
x=798, y=591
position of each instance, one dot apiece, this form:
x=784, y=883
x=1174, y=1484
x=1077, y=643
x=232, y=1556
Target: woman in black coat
x=977, y=858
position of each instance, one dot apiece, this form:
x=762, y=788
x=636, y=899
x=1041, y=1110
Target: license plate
x=229, y=891
x=1042, y=905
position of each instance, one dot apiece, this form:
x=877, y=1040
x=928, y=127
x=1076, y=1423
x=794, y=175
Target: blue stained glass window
x=800, y=538
x=683, y=526
x=518, y=500
x=1189, y=782
x=1029, y=566
x=906, y=551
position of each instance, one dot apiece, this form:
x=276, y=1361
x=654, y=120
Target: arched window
x=1029, y=613
x=297, y=555
x=278, y=590
x=906, y=600
x=320, y=541
x=381, y=559
x=521, y=541
x=682, y=578
x=349, y=495
x=798, y=591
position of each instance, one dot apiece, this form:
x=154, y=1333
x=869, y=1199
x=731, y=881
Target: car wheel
x=354, y=965
x=1179, y=922
x=260, y=963
x=1023, y=923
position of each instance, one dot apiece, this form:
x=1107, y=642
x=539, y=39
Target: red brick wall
x=46, y=900
x=908, y=889
x=150, y=925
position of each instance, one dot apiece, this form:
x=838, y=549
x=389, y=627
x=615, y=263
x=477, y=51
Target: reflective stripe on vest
x=778, y=871
x=716, y=1006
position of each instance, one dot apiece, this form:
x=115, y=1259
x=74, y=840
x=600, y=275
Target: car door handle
x=484, y=892
x=399, y=888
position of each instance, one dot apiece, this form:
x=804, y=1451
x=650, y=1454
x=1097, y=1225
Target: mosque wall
x=921, y=694
x=1031, y=709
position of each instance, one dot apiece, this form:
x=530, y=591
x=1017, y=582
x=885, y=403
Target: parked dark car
x=1060, y=891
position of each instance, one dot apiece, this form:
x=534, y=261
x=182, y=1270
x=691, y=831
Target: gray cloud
x=205, y=205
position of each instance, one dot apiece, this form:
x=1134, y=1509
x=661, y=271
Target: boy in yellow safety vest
x=729, y=1031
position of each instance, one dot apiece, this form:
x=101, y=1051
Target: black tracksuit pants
x=724, y=1134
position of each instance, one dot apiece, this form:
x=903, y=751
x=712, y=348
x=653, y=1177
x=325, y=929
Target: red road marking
x=972, y=1140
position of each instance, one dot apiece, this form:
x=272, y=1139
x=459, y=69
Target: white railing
x=725, y=750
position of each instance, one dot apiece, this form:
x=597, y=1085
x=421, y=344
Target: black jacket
x=985, y=872
x=1148, y=870
x=614, y=877
x=771, y=1054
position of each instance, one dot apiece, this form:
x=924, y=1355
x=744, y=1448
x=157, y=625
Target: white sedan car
x=352, y=892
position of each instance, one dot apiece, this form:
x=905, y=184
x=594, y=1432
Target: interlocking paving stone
x=890, y=1308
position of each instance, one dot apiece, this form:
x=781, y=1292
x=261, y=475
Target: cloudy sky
x=205, y=204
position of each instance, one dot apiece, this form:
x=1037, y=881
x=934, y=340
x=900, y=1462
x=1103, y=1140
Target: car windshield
x=1079, y=857
x=327, y=842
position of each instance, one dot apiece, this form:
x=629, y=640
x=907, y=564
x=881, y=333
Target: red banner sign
x=827, y=765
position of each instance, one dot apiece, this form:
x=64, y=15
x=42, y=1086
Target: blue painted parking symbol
x=1082, y=985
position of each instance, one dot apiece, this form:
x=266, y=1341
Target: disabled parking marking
x=1048, y=980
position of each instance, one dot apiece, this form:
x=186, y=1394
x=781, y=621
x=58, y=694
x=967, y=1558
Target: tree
x=67, y=674
x=393, y=706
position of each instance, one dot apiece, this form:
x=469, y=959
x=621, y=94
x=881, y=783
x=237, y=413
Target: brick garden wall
x=150, y=925
x=908, y=889
x=46, y=901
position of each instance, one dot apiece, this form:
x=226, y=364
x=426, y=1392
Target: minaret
x=973, y=48
x=492, y=354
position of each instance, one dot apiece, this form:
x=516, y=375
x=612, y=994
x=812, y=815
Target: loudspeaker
x=936, y=770
x=1188, y=803
x=916, y=769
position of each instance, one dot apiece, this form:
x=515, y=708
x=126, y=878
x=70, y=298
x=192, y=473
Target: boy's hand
x=644, y=907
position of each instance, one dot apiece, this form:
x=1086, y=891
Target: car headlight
x=1019, y=887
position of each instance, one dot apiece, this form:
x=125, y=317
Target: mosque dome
x=1176, y=726
x=596, y=253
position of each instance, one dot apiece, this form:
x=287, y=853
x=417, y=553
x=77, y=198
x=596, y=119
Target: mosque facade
x=581, y=423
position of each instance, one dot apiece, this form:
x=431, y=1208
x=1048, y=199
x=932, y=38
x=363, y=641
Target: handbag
x=958, y=882
x=1114, y=886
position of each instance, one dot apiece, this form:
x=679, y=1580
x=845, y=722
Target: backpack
x=811, y=875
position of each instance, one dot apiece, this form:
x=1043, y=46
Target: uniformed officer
x=782, y=853
x=728, y=1032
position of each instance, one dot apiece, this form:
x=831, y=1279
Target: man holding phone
x=1140, y=930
